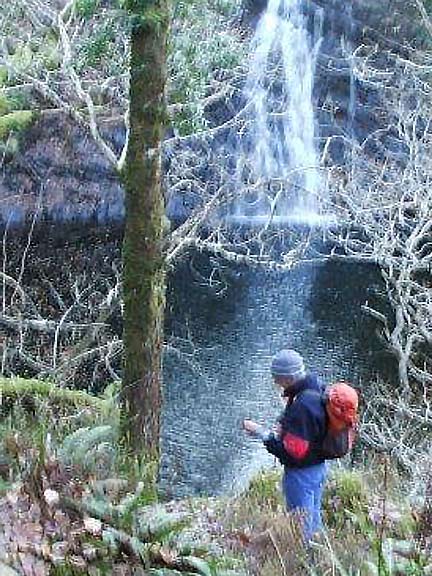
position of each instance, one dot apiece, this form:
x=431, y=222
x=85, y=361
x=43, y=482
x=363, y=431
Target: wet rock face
x=60, y=173
x=345, y=107
x=252, y=10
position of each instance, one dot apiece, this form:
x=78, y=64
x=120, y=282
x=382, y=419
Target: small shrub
x=264, y=491
x=49, y=52
x=345, y=499
x=86, y=8
x=90, y=450
x=99, y=47
x=5, y=104
x=22, y=58
x=4, y=75
x=15, y=122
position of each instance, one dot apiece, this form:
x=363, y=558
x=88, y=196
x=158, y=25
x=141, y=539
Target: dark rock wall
x=346, y=106
x=59, y=173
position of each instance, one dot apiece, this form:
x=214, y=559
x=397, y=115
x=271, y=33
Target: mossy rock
x=31, y=394
x=16, y=122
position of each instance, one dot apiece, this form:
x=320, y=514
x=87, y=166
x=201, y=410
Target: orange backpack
x=341, y=405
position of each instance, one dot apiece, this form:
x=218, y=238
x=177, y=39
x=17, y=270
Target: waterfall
x=277, y=166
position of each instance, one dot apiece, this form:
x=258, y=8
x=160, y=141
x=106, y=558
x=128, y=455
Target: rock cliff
x=59, y=173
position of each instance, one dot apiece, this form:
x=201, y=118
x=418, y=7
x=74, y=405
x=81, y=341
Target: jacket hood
x=309, y=382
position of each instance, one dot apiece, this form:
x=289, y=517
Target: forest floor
x=70, y=505
x=43, y=540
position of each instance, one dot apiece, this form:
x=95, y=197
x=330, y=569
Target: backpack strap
x=314, y=393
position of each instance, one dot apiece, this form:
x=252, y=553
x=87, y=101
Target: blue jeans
x=302, y=489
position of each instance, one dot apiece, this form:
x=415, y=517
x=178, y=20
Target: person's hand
x=250, y=426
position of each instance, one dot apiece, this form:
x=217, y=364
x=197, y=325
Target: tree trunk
x=143, y=267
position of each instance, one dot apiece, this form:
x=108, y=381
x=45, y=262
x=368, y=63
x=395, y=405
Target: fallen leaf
x=52, y=497
x=93, y=526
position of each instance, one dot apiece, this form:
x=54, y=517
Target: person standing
x=297, y=438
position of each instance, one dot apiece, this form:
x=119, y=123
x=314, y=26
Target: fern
x=158, y=524
x=90, y=449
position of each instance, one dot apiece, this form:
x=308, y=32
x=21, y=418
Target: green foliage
x=90, y=450
x=65, y=569
x=4, y=75
x=226, y=566
x=86, y=8
x=264, y=491
x=14, y=119
x=154, y=523
x=346, y=500
x=225, y=7
x=15, y=122
x=259, y=506
x=165, y=572
x=34, y=414
x=199, y=566
x=428, y=5
x=97, y=48
x=31, y=55
x=141, y=469
x=5, y=104
x=414, y=568
x=12, y=101
x=146, y=16
x=4, y=486
x=10, y=147
x=202, y=46
x=48, y=52
x=22, y=59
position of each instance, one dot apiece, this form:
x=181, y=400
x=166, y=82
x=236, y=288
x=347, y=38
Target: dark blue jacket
x=303, y=423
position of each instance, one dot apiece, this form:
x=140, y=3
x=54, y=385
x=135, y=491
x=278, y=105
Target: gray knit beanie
x=288, y=363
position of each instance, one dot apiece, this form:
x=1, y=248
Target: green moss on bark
x=143, y=263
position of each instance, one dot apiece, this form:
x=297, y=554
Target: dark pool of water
x=316, y=310
x=225, y=324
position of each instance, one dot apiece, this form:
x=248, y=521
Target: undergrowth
x=69, y=445
x=60, y=455
x=370, y=528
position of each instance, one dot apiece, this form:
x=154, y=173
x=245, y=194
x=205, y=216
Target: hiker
x=298, y=438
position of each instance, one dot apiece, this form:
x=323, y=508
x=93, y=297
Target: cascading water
x=277, y=168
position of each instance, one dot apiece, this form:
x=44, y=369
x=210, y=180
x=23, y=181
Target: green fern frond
x=90, y=449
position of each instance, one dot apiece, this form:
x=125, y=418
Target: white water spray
x=278, y=160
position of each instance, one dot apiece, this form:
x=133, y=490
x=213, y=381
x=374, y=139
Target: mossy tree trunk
x=143, y=267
